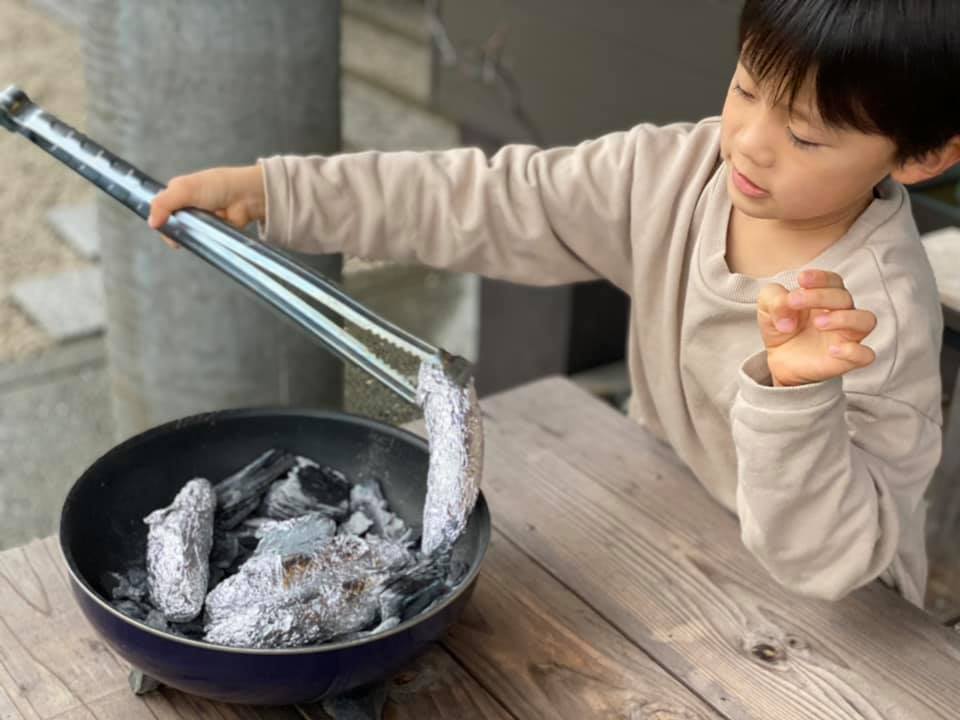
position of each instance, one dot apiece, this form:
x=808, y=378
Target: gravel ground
x=43, y=58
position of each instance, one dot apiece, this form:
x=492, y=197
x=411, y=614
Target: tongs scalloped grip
x=265, y=270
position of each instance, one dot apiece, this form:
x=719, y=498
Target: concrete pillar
x=176, y=86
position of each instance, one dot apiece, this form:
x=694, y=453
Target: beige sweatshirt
x=827, y=479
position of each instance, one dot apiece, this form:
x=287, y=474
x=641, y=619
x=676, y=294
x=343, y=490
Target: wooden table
x=614, y=588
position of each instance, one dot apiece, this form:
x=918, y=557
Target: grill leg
x=141, y=684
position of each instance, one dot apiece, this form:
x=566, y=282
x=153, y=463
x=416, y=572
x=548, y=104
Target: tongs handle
x=256, y=266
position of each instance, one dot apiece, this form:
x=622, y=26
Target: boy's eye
x=740, y=91
x=800, y=142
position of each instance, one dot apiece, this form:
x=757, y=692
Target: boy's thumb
x=772, y=302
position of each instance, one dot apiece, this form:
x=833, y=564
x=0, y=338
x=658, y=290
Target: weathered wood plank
x=434, y=686
x=612, y=514
x=53, y=665
x=545, y=654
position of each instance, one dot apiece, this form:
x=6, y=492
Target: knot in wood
x=768, y=653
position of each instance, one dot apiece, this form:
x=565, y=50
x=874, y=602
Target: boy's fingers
x=236, y=216
x=858, y=321
x=819, y=279
x=179, y=193
x=854, y=353
x=202, y=190
x=826, y=298
x=772, y=302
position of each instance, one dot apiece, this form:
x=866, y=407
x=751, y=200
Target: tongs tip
x=10, y=101
x=457, y=368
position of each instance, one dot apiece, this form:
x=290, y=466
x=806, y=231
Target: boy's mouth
x=746, y=186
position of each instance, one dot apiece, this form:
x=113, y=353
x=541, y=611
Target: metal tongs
x=267, y=271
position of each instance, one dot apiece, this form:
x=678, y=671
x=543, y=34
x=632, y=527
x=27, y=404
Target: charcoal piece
x=132, y=608
x=307, y=488
x=131, y=585
x=276, y=601
x=226, y=549
x=356, y=524
x=156, y=620
x=179, y=541
x=368, y=498
x=240, y=494
x=302, y=535
x=383, y=626
x=452, y=415
x=192, y=630
x=328, y=485
x=407, y=595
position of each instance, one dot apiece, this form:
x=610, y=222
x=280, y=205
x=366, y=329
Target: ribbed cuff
x=756, y=388
x=275, y=227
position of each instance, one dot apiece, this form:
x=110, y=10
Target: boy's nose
x=755, y=144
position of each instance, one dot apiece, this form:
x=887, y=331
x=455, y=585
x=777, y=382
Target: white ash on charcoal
x=179, y=541
x=300, y=555
x=367, y=499
x=356, y=524
x=307, y=488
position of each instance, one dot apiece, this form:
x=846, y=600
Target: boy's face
x=787, y=165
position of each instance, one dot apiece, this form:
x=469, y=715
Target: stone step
x=67, y=305
x=402, y=17
x=76, y=224
x=385, y=58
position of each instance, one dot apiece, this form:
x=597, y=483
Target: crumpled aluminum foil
x=288, y=601
x=455, y=434
x=297, y=536
x=178, y=551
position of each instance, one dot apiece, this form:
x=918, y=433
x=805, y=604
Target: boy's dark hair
x=882, y=66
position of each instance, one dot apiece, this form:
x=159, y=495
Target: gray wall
x=584, y=67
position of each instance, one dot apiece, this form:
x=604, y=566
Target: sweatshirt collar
x=890, y=197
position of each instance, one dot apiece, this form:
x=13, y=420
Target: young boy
x=785, y=213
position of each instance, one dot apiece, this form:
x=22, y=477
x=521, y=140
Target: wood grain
x=545, y=654
x=613, y=515
x=53, y=665
x=434, y=686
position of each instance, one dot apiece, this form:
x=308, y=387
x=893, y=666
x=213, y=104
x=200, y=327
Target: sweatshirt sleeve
x=532, y=216
x=829, y=482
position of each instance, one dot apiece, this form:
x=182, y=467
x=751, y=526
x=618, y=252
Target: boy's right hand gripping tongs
x=274, y=276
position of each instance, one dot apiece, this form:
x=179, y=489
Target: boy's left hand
x=813, y=333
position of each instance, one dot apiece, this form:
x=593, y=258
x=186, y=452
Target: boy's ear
x=930, y=165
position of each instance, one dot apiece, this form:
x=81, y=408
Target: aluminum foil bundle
x=455, y=433
x=178, y=551
x=288, y=601
x=297, y=536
